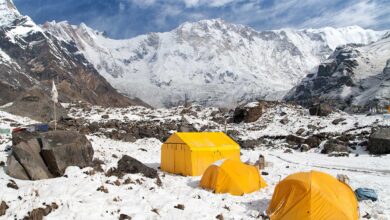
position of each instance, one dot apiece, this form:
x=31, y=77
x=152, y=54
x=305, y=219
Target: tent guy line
x=342, y=168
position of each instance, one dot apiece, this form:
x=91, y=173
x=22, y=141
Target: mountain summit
x=30, y=56
x=210, y=62
x=354, y=78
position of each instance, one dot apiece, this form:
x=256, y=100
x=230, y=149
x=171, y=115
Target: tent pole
x=55, y=116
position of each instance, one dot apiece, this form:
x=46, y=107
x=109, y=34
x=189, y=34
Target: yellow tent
x=313, y=195
x=232, y=176
x=190, y=153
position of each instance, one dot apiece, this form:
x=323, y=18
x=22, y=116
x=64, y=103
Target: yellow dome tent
x=232, y=176
x=190, y=153
x=312, y=195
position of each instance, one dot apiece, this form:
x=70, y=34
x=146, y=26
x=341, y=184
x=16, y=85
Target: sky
x=129, y=18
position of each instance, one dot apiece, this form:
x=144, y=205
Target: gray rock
x=305, y=147
x=300, y=131
x=292, y=139
x=3, y=208
x=23, y=136
x=27, y=153
x=321, y=109
x=313, y=141
x=379, y=142
x=284, y=121
x=61, y=149
x=15, y=170
x=334, y=146
x=47, y=155
x=37, y=105
x=129, y=138
x=312, y=127
x=128, y=164
x=337, y=121
x=186, y=126
x=250, y=143
x=248, y=113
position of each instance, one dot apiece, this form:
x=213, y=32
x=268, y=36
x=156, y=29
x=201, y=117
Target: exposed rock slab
x=248, y=113
x=128, y=164
x=47, y=155
x=37, y=105
x=27, y=153
x=379, y=142
x=61, y=149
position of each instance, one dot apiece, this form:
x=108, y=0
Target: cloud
x=207, y=3
x=143, y=3
x=128, y=18
x=362, y=13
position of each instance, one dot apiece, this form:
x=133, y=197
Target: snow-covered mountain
x=30, y=56
x=354, y=78
x=210, y=62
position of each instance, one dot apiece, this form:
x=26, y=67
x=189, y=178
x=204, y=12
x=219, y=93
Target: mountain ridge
x=354, y=78
x=30, y=56
x=209, y=62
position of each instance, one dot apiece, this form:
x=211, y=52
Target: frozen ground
x=78, y=198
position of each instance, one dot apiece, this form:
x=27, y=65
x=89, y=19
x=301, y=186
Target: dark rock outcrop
x=379, y=142
x=15, y=169
x=3, y=208
x=334, y=146
x=313, y=141
x=47, y=155
x=35, y=104
x=292, y=139
x=248, y=113
x=337, y=121
x=320, y=109
x=28, y=155
x=336, y=82
x=62, y=149
x=128, y=164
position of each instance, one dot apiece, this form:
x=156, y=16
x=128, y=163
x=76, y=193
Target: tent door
x=179, y=159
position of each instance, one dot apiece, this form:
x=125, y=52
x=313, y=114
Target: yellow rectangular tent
x=191, y=153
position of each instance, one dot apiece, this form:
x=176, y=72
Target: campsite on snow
x=210, y=120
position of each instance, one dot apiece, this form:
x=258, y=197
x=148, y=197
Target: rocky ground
x=272, y=124
x=289, y=137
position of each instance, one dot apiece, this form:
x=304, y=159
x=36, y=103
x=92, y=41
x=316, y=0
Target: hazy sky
x=128, y=18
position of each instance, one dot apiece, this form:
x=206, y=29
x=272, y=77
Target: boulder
x=304, y=147
x=61, y=149
x=28, y=155
x=313, y=141
x=15, y=170
x=284, y=121
x=48, y=154
x=334, y=146
x=337, y=121
x=3, y=208
x=128, y=164
x=379, y=142
x=186, y=126
x=129, y=138
x=35, y=104
x=292, y=139
x=23, y=136
x=250, y=112
x=250, y=143
x=300, y=131
x=320, y=109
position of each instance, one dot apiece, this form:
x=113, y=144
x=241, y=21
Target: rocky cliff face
x=30, y=56
x=354, y=78
x=210, y=62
